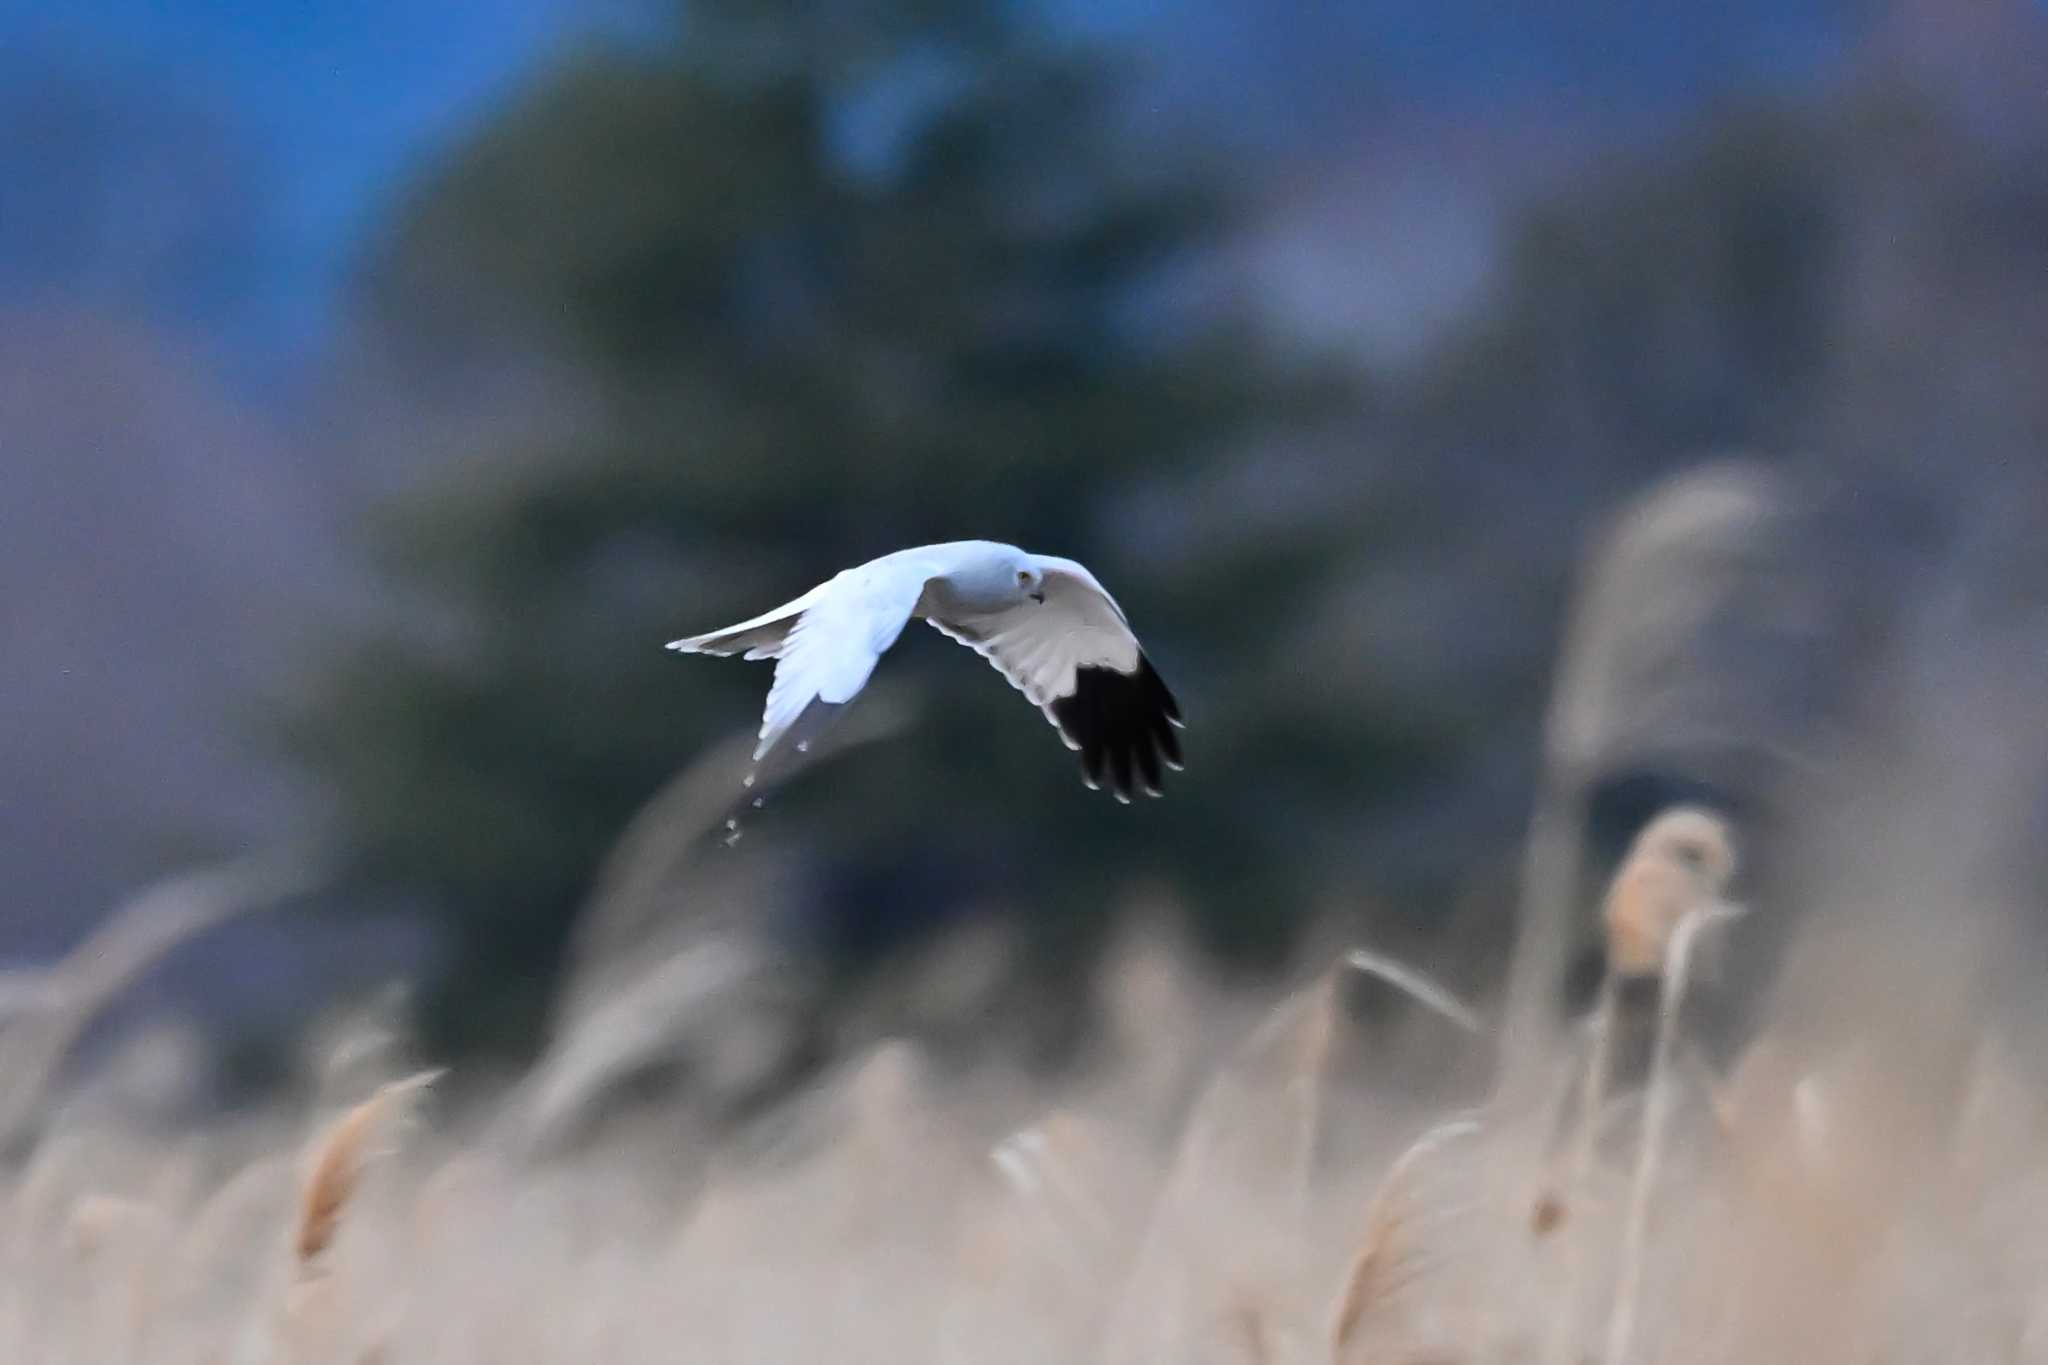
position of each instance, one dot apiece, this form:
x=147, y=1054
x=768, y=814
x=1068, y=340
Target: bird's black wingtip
x=1125, y=726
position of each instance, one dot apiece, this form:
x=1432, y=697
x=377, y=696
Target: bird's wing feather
x=831, y=650
x=1075, y=658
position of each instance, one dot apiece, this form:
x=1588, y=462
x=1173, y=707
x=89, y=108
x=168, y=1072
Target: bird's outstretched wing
x=1075, y=658
x=825, y=645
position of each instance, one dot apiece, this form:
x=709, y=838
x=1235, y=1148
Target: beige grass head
x=1682, y=861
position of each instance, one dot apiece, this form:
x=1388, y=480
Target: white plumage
x=1045, y=623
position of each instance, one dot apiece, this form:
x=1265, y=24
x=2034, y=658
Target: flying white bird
x=1044, y=622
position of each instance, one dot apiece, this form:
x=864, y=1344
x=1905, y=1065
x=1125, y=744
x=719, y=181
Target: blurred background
x=383, y=384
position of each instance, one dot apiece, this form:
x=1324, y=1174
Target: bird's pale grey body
x=1044, y=622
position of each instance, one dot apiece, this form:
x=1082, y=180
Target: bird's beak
x=1039, y=597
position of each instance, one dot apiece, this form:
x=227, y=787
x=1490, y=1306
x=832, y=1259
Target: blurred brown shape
x=1679, y=864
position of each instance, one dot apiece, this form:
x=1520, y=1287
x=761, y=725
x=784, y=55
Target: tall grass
x=1806, y=1208
x=1232, y=1179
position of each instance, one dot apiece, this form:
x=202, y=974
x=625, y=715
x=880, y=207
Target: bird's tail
x=761, y=637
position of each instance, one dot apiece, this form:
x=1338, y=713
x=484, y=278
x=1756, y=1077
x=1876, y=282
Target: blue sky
x=329, y=105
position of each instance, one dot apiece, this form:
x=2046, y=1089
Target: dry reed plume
x=893, y=1216
x=339, y=1159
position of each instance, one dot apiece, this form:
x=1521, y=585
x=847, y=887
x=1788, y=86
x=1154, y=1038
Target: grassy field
x=1332, y=1176
x=1362, y=1168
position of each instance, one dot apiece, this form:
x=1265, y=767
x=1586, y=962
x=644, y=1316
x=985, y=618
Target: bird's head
x=994, y=582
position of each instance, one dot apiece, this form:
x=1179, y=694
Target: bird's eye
x=1023, y=575
x=1692, y=855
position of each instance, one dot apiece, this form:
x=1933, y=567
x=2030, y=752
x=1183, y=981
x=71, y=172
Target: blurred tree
x=836, y=279
x=829, y=279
